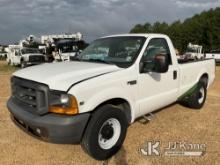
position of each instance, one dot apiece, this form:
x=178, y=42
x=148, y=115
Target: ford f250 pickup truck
x=114, y=81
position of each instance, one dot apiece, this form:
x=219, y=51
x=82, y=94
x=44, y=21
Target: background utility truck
x=65, y=46
x=194, y=52
x=113, y=81
x=24, y=56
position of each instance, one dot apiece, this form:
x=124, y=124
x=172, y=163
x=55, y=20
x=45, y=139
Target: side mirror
x=161, y=63
x=158, y=64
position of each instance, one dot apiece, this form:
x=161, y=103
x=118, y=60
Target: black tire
x=23, y=64
x=91, y=139
x=198, y=98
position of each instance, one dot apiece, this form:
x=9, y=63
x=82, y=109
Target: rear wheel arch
x=204, y=79
x=197, y=96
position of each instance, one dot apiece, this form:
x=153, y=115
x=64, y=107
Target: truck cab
x=25, y=57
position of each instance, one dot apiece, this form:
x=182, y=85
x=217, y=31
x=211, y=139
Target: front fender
x=108, y=94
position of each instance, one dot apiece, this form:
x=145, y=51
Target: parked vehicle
x=194, y=52
x=11, y=58
x=24, y=56
x=114, y=81
x=3, y=54
x=65, y=46
x=214, y=54
x=67, y=50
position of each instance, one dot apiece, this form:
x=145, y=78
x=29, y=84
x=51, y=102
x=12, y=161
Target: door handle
x=174, y=74
x=133, y=82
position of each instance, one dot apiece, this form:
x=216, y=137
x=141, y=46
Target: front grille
x=32, y=96
x=36, y=59
x=25, y=95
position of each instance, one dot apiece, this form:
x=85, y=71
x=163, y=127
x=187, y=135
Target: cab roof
x=137, y=35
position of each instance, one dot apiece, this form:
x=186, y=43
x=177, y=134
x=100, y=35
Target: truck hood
x=61, y=75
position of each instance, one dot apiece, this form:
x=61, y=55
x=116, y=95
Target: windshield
x=68, y=48
x=28, y=51
x=121, y=51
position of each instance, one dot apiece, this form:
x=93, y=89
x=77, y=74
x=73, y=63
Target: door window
x=157, y=46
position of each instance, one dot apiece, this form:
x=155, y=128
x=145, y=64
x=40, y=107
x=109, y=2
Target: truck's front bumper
x=50, y=127
x=33, y=63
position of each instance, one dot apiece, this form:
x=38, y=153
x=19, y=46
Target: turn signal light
x=72, y=109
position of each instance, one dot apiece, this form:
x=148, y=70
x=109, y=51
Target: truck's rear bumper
x=51, y=127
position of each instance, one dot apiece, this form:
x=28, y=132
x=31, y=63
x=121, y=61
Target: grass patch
x=5, y=68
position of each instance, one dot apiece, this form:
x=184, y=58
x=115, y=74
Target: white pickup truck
x=24, y=56
x=114, y=81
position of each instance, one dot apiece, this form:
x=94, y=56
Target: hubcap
x=109, y=133
x=201, y=95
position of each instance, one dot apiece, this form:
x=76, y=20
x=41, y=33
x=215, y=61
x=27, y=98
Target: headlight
x=63, y=103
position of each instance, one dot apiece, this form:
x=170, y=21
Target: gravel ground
x=173, y=123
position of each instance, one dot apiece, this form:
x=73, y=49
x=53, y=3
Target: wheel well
x=121, y=104
x=204, y=78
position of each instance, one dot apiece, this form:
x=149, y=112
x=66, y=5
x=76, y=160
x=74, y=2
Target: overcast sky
x=93, y=18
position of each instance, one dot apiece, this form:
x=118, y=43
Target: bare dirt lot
x=174, y=123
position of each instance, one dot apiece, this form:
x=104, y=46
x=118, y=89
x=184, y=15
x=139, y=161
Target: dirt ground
x=174, y=123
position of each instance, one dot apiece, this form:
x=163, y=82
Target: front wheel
x=23, y=64
x=105, y=133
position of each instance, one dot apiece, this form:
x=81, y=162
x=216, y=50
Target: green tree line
x=202, y=29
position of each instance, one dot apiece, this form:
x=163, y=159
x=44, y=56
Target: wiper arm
x=100, y=61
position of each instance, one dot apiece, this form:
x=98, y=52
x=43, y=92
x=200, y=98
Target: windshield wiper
x=100, y=61
x=93, y=60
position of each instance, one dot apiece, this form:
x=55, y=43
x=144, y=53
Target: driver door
x=157, y=90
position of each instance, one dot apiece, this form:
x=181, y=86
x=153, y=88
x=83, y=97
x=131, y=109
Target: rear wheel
x=197, y=99
x=105, y=133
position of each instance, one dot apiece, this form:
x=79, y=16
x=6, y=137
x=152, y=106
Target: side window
x=157, y=46
x=16, y=52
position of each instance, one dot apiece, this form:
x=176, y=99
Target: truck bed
x=184, y=61
x=191, y=71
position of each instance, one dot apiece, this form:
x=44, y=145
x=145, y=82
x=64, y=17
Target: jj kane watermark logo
x=175, y=148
